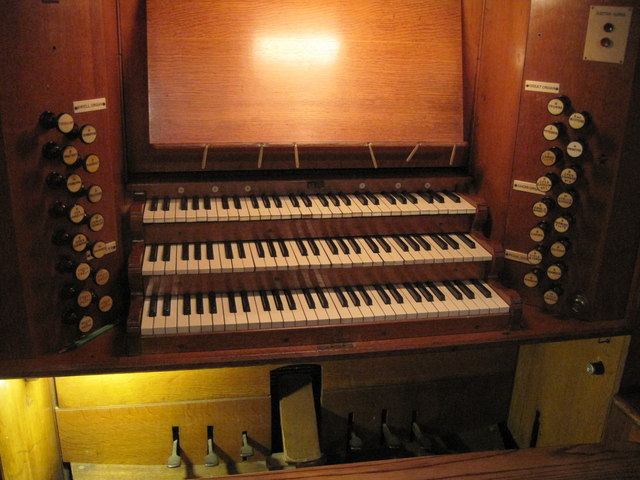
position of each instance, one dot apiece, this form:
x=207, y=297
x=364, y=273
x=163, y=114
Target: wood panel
x=623, y=423
x=142, y=434
x=591, y=462
x=29, y=446
x=330, y=72
x=553, y=385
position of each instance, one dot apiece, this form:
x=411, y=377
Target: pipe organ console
x=226, y=183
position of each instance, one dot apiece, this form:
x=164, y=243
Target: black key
x=276, y=201
x=210, y=251
x=166, y=201
x=343, y=246
x=413, y=292
x=153, y=306
x=153, y=255
x=197, y=251
x=154, y=204
x=314, y=247
x=425, y=293
x=272, y=249
x=374, y=199
x=185, y=252
x=354, y=245
x=412, y=243
x=436, y=291
x=260, y=249
x=301, y=247
x=183, y=203
x=306, y=200
x=310, y=302
x=367, y=299
x=385, y=246
x=352, y=295
x=411, y=197
x=186, y=304
x=466, y=239
x=422, y=242
x=371, y=244
x=244, y=298
x=452, y=243
x=277, y=300
x=266, y=306
x=395, y=293
x=400, y=197
x=389, y=198
x=346, y=200
x=232, y=302
x=266, y=201
x=241, y=251
x=228, y=251
x=199, y=304
x=383, y=295
x=334, y=199
x=441, y=243
x=332, y=246
x=291, y=302
x=464, y=289
x=236, y=202
x=213, y=307
x=225, y=202
x=166, y=305
x=480, y=286
x=324, y=303
x=403, y=246
x=166, y=252
x=363, y=200
x=294, y=200
x=206, y=201
x=436, y=196
x=453, y=290
x=323, y=200
x=341, y=298
x=254, y=202
x=307, y=296
x=283, y=248
x=195, y=202
x=426, y=196
x=452, y=196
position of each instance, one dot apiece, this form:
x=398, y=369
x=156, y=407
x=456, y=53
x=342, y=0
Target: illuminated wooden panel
x=305, y=72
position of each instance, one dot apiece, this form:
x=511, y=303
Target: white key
x=242, y=320
x=408, y=303
x=360, y=311
x=147, y=265
x=265, y=315
x=288, y=315
x=387, y=310
x=301, y=261
x=183, y=318
x=318, y=260
x=195, y=318
x=253, y=317
x=226, y=262
x=299, y=314
x=388, y=257
x=212, y=213
x=192, y=263
x=169, y=266
x=147, y=213
x=258, y=261
x=424, y=307
x=309, y=312
x=214, y=316
x=245, y=262
x=230, y=318
x=371, y=249
x=215, y=264
x=378, y=314
x=270, y=261
x=301, y=211
x=201, y=213
x=276, y=312
x=146, y=320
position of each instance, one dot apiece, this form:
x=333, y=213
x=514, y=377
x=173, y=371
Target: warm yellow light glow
x=297, y=49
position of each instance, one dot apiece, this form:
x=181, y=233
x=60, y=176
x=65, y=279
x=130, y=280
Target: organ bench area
x=370, y=239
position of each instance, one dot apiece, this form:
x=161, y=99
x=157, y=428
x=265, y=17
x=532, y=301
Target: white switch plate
x=599, y=18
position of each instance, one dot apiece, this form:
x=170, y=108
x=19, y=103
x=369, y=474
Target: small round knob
x=567, y=199
x=78, y=242
x=563, y=223
x=533, y=278
x=552, y=295
x=63, y=122
x=536, y=254
x=579, y=120
x=553, y=131
x=85, y=297
x=91, y=163
x=101, y=276
x=595, y=368
x=546, y=182
x=98, y=249
x=94, y=193
x=579, y=305
x=558, y=105
x=570, y=175
x=539, y=232
x=576, y=148
x=560, y=247
x=543, y=206
x=556, y=270
x=86, y=133
x=551, y=156
x=96, y=222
